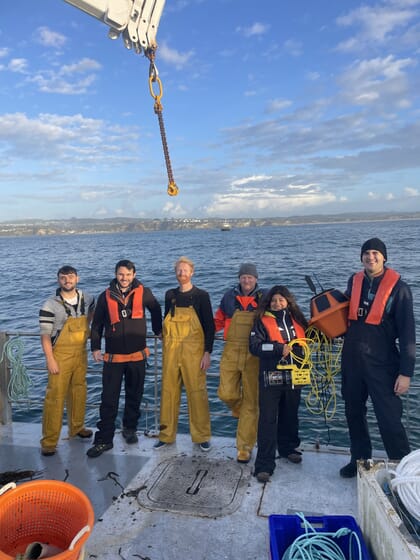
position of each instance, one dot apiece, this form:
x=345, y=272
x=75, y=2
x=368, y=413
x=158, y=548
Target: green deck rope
x=20, y=382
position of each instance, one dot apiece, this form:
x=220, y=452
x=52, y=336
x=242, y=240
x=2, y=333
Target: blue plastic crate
x=284, y=529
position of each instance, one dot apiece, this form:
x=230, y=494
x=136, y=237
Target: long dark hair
x=292, y=306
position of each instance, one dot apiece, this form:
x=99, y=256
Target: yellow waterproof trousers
x=183, y=348
x=238, y=386
x=69, y=385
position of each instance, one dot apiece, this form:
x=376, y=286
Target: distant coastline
x=78, y=226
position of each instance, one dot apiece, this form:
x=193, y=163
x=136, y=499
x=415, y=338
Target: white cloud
x=4, y=51
x=313, y=76
x=18, y=65
x=64, y=138
x=83, y=65
x=54, y=83
x=411, y=192
x=174, y=57
x=69, y=79
x=174, y=210
x=293, y=47
x=253, y=30
x=377, y=23
x=49, y=38
x=92, y=195
x=248, y=180
x=263, y=195
x=366, y=81
x=277, y=105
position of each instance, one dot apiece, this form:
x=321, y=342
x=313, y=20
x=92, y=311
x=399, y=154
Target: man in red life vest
x=380, y=312
x=120, y=317
x=238, y=386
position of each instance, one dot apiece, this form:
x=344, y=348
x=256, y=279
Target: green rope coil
x=20, y=382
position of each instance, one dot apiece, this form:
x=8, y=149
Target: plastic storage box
x=284, y=529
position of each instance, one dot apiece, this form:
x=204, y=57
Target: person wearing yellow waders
x=64, y=326
x=238, y=386
x=120, y=317
x=188, y=336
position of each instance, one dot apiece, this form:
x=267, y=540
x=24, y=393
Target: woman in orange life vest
x=278, y=322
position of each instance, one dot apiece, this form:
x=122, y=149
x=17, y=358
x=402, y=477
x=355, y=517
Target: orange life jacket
x=245, y=301
x=223, y=321
x=137, y=311
x=376, y=311
x=272, y=328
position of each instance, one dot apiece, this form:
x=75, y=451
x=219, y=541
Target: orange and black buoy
x=329, y=313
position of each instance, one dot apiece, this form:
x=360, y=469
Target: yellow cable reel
x=301, y=367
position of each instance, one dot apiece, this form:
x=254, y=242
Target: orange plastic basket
x=45, y=511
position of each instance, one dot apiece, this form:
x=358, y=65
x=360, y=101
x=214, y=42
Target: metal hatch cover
x=196, y=486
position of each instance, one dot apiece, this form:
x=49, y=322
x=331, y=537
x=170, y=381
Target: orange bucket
x=44, y=511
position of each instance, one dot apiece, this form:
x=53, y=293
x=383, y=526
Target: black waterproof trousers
x=278, y=424
x=112, y=376
x=368, y=370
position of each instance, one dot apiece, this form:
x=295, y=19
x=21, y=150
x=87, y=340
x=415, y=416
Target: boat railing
x=23, y=379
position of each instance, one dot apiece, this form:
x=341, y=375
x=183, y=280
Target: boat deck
x=179, y=502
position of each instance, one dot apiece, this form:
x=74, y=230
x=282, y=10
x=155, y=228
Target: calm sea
x=328, y=253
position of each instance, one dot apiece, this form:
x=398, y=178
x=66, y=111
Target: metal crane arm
x=136, y=20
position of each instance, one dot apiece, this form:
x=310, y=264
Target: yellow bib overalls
x=69, y=385
x=183, y=348
x=238, y=386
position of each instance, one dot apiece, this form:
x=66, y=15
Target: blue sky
x=271, y=109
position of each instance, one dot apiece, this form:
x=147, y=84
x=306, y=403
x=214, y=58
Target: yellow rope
x=325, y=357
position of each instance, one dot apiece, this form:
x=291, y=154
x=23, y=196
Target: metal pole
x=5, y=406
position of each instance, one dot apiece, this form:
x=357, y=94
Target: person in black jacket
x=380, y=312
x=120, y=318
x=279, y=321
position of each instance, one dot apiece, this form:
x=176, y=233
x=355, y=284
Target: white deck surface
x=126, y=530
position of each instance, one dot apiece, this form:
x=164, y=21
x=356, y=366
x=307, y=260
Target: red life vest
x=376, y=311
x=272, y=328
x=247, y=301
x=137, y=311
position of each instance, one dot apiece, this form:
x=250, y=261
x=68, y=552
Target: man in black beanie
x=380, y=312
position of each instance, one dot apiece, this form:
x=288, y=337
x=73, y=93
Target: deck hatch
x=196, y=486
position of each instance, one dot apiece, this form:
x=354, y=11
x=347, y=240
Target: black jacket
x=379, y=341
x=269, y=352
x=128, y=335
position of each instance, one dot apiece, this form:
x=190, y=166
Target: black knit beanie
x=374, y=244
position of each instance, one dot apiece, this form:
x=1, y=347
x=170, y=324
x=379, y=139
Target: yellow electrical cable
x=326, y=355
x=300, y=367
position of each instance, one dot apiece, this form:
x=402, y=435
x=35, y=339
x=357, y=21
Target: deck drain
x=196, y=486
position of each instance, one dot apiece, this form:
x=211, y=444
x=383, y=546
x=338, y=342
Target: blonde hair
x=184, y=260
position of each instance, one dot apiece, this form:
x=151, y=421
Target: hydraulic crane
x=137, y=22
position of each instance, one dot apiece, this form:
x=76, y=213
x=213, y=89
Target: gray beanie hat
x=248, y=268
x=374, y=244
